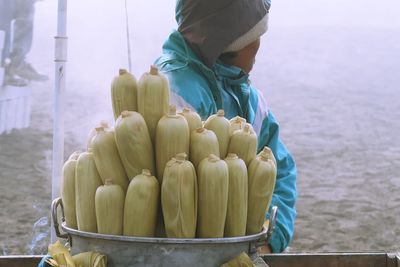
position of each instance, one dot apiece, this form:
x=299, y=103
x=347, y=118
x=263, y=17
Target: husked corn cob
x=134, y=144
x=203, y=142
x=221, y=127
x=87, y=179
x=193, y=119
x=213, y=182
x=236, y=215
x=109, y=203
x=244, y=144
x=123, y=93
x=92, y=133
x=106, y=156
x=141, y=206
x=153, y=98
x=68, y=190
x=172, y=137
x=262, y=178
x=179, y=198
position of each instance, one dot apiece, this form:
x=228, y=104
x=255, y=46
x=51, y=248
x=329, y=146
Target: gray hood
x=209, y=26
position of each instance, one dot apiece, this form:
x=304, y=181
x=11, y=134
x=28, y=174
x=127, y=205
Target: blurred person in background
x=16, y=20
x=208, y=61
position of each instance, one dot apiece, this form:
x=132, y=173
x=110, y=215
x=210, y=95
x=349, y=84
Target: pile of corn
x=61, y=257
x=159, y=172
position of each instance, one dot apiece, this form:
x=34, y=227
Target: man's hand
x=265, y=249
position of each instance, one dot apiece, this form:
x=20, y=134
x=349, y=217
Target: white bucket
x=15, y=108
x=2, y=39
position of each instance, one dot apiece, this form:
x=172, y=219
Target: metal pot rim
x=159, y=240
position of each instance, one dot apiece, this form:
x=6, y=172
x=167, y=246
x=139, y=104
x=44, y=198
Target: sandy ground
x=336, y=94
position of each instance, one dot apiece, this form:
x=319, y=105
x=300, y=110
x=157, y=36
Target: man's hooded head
x=212, y=27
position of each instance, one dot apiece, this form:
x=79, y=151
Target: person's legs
x=22, y=31
x=22, y=41
x=7, y=14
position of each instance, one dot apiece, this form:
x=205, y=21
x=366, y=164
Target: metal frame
x=333, y=259
x=60, y=59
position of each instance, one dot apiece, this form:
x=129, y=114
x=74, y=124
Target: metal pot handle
x=271, y=225
x=265, y=239
x=54, y=214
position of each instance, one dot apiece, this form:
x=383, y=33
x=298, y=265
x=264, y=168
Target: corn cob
x=134, y=144
x=124, y=93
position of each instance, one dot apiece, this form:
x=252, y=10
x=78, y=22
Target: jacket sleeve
x=285, y=194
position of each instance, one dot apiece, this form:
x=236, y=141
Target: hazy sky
x=97, y=33
x=336, y=13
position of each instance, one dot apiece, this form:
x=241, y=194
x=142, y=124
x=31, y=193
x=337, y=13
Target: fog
x=97, y=29
x=328, y=69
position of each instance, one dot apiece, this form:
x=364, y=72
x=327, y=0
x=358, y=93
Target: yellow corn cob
x=172, y=137
x=236, y=215
x=179, y=198
x=92, y=133
x=134, y=144
x=90, y=259
x=193, y=119
x=213, y=182
x=238, y=123
x=141, y=206
x=106, y=156
x=153, y=98
x=61, y=254
x=109, y=203
x=242, y=260
x=124, y=93
x=203, y=142
x=68, y=190
x=244, y=144
x=262, y=178
x=87, y=179
x=221, y=127
x=267, y=152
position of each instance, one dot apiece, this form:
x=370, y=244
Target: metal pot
x=144, y=251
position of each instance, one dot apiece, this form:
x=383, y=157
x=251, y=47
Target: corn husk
x=221, y=127
x=124, y=93
x=141, y=206
x=93, y=132
x=238, y=123
x=236, y=215
x=134, y=144
x=244, y=144
x=213, y=183
x=61, y=254
x=193, y=119
x=203, y=142
x=242, y=260
x=109, y=203
x=90, y=259
x=267, y=152
x=179, y=198
x=153, y=98
x=75, y=155
x=67, y=189
x=106, y=156
x=262, y=178
x=87, y=179
x=172, y=137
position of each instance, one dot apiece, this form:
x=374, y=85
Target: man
x=16, y=20
x=207, y=62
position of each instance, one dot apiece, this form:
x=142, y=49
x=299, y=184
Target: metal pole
x=128, y=40
x=60, y=59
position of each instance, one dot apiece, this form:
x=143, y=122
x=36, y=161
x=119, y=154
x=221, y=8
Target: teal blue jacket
x=227, y=87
